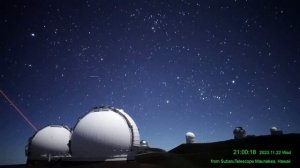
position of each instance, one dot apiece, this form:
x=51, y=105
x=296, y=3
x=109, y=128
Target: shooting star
x=93, y=76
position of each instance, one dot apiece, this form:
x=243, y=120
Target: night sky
x=173, y=66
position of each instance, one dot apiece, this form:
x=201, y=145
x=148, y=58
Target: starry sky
x=173, y=66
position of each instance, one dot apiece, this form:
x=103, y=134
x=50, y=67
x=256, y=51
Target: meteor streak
x=18, y=110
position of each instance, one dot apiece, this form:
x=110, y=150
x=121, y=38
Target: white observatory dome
x=239, y=133
x=190, y=137
x=273, y=128
x=275, y=131
x=49, y=143
x=104, y=134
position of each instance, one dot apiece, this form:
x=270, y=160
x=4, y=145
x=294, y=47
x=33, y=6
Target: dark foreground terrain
x=253, y=151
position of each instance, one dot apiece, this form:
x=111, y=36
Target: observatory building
x=105, y=134
x=275, y=131
x=49, y=143
x=239, y=133
x=190, y=137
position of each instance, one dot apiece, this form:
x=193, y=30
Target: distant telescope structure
x=275, y=131
x=144, y=144
x=239, y=133
x=190, y=137
x=49, y=143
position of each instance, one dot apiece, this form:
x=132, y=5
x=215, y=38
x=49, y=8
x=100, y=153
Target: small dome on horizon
x=273, y=128
x=239, y=133
x=275, y=131
x=144, y=143
x=190, y=137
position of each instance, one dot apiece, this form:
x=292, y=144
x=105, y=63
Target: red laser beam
x=18, y=110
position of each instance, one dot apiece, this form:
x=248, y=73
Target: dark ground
x=279, y=147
